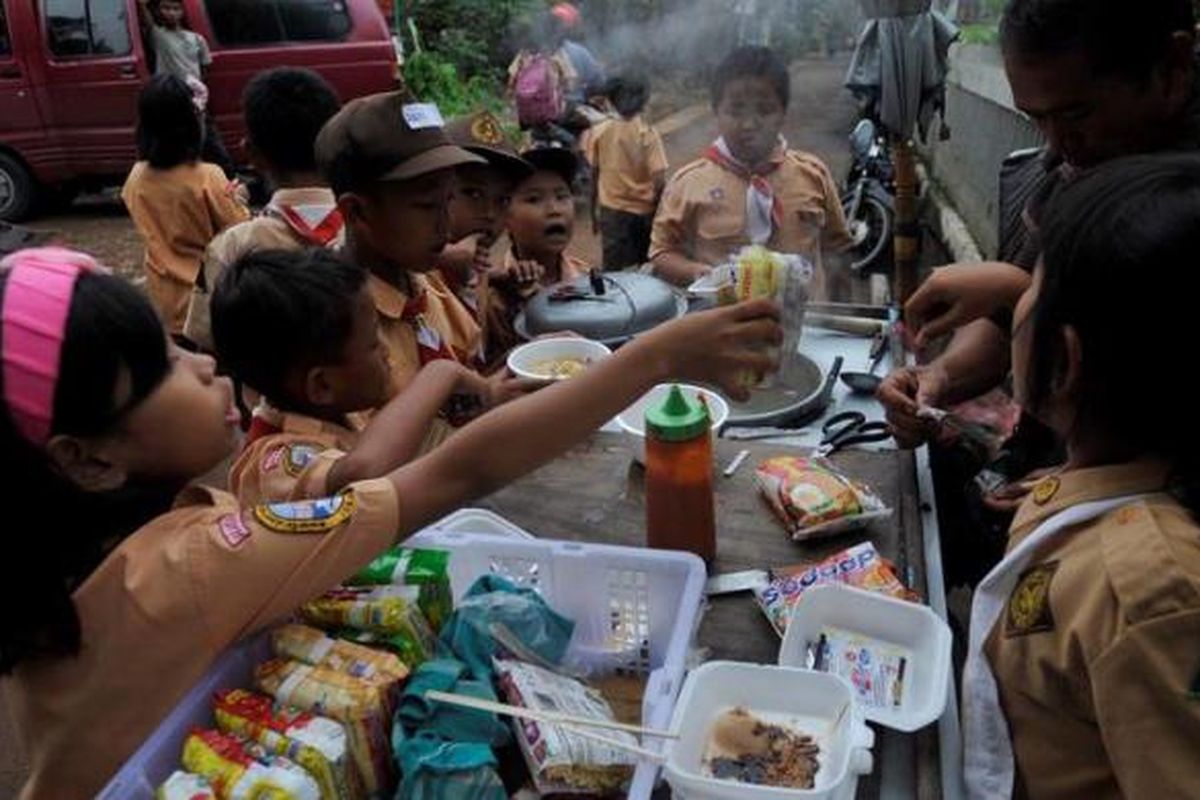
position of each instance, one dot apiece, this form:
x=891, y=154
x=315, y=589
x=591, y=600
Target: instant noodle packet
x=428, y=570
x=316, y=743
x=313, y=647
x=185, y=786
x=860, y=566
x=390, y=610
x=812, y=498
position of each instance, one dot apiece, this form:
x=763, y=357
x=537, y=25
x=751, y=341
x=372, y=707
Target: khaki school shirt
x=444, y=313
x=268, y=231
x=631, y=159
x=159, y=610
x=702, y=214
x=1097, y=656
x=178, y=211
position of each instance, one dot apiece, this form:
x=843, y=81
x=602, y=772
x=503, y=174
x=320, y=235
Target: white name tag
x=423, y=115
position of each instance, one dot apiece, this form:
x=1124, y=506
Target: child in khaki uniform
x=1083, y=674
x=285, y=109
x=137, y=580
x=299, y=327
x=749, y=188
x=391, y=165
x=541, y=223
x=177, y=202
x=629, y=168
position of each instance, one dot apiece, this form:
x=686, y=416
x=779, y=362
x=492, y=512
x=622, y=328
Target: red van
x=71, y=70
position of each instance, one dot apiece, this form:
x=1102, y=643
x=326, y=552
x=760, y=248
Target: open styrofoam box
x=816, y=703
x=635, y=609
x=911, y=626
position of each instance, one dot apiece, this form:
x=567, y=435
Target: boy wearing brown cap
x=479, y=207
x=391, y=165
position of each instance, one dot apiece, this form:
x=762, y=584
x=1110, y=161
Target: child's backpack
x=539, y=92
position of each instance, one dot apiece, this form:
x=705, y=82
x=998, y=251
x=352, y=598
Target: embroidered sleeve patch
x=1029, y=605
x=293, y=458
x=233, y=530
x=307, y=516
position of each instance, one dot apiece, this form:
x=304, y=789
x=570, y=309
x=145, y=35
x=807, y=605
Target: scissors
x=851, y=428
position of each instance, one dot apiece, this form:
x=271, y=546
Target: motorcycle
x=869, y=200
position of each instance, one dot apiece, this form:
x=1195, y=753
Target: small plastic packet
x=813, y=499
x=235, y=768
x=876, y=670
x=860, y=566
x=428, y=570
x=756, y=272
x=390, y=610
x=185, y=786
x=361, y=707
x=316, y=743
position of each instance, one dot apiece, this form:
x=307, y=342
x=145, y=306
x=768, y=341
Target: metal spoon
x=868, y=382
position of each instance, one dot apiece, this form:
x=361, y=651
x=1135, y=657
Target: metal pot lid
x=607, y=307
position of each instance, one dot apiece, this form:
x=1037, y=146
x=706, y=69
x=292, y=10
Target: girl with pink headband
x=125, y=579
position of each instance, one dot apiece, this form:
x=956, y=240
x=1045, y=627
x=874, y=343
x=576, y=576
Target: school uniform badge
x=299, y=455
x=1029, y=604
x=307, y=516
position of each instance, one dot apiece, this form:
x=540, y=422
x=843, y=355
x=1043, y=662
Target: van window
x=246, y=22
x=87, y=27
x=5, y=42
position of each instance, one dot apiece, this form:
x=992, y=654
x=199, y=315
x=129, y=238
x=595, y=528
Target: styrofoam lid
x=911, y=627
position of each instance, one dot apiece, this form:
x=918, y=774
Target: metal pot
x=806, y=394
x=610, y=307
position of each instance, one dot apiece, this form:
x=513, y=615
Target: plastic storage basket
x=634, y=609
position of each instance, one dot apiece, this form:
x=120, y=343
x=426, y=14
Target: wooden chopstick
x=544, y=716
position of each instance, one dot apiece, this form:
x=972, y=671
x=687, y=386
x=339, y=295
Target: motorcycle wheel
x=872, y=232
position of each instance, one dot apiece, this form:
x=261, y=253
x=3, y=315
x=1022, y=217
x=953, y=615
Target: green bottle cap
x=678, y=418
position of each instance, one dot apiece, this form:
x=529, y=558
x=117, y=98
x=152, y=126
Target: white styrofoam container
x=819, y=704
x=524, y=360
x=634, y=608
x=911, y=626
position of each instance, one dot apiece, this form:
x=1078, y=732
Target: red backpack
x=539, y=92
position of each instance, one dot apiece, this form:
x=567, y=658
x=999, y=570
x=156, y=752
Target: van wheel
x=17, y=189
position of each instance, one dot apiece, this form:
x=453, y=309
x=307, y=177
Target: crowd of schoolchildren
x=362, y=317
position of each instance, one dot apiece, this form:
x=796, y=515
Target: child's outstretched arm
x=715, y=347
x=395, y=434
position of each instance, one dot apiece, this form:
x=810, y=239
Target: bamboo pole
x=908, y=230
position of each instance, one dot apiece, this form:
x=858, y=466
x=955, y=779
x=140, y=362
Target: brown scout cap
x=481, y=134
x=386, y=137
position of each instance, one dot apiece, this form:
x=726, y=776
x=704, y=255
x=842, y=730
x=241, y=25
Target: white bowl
x=633, y=419
x=524, y=360
x=817, y=704
x=911, y=626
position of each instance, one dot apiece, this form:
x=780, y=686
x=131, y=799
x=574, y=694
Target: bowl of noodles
x=556, y=359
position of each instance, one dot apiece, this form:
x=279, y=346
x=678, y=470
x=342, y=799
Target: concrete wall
x=984, y=129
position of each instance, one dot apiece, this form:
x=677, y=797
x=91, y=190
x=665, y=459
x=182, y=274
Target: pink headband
x=37, y=300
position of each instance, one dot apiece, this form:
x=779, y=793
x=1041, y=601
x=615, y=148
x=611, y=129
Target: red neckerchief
x=430, y=344
x=321, y=235
x=260, y=427
x=757, y=177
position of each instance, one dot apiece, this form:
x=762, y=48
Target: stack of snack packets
x=392, y=612
x=311, y=646
x=362, y=707
x=236, y=769
x=860, y=566
x=317, y=744
x=428, y=570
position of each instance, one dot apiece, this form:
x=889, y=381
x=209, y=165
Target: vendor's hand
x=718, y=347
x=960, y=294
x=503, y=386
x=904, y=393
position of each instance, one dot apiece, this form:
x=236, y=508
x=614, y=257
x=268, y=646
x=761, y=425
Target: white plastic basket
x=634, y=609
